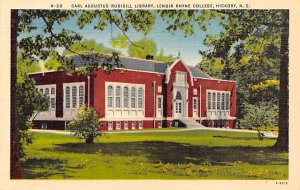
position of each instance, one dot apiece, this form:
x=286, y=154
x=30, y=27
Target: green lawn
x=159, y=155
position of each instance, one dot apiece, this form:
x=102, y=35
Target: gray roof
x=144, y=65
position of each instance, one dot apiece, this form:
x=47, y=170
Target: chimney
x=149, y=57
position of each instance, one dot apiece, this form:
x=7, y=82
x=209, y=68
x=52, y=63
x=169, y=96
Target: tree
x=45, y=41
x=86, y=123
x=25, y=66
x=29, y=103
x=237, y=27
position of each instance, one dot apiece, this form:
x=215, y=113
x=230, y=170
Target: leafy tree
x=86, y=123
x=29, y=103
x=25, y=66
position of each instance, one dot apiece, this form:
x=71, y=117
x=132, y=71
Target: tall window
x=118, y=125
x=81, y=93
x=110, y=96
x=110, y=125
x=227, y=101
x=67, y=97
x=74, y=96
x=214, y=100
x=118, y=97
x=209, y=101
x=52, y=99
x=125, y=125
x=132, y=99
x=180, y=78
x=223, y=101
x=218, y=101
x=41, y=91
x=159, y=102
x=195, y=104
x=140, y=124
x=133, y=124
x=125, y=97
x=47, y=91
x=140, y=98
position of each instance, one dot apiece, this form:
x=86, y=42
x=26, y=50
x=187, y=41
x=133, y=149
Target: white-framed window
x=118, y=125
x=195, y=103
x=213, y=101
x=223, y=102
x=124, y=100
x=140, y=124
x=125, y=97
x=81, y=95
x=126, y=125
x=74, y=97
x=140, y=98
x=73, y=94
x=218, y=101
x=67, y=98
x=133, y=97
x=110, y=125
x=110, y=92
x=118, y=97
x=133, y=125
x=159, y=102
x=195, y=91
x=159, y=89
x=159, y=106
x=48, y=90
x=209, y=100
x=180, y=78
x=227, y=101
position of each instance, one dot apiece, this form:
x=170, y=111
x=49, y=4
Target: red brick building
x=143, y=94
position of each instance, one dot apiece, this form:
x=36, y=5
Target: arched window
x=178, y=96
x=81, y=95
x=74, y=96
x=67, y=97
x=140, y=98
x=125, y=97
x=132, y=98
x=47, y=91
x=110, y=91
x=118, y=97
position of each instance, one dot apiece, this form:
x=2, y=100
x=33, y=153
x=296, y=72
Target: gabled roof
x=144, y=65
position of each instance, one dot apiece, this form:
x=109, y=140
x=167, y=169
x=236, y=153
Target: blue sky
x=171, y=43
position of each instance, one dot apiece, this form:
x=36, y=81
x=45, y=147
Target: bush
x=85, y=124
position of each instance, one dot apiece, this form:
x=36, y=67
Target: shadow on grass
x=43, y=168
x=173, y=152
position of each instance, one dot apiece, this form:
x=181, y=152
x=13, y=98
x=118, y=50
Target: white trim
x=160, y=111
x=169, y=69
x=224, y=80
x=123, y=112
x=197, y=105
x=71, y=111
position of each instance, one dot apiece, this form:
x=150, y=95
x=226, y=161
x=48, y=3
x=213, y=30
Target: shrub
x=85, y=124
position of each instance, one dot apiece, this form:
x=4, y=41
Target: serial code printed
x=57, y=5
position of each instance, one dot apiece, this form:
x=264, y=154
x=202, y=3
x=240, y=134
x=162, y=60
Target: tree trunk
x=15, y=172
x=89, y=140
x=282, y=143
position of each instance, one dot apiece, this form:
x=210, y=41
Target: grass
x=173, y=155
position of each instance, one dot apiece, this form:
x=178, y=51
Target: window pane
x=110, y=96
x=140, y=103
x=195, y=104
x=52, y=90
x=118, y=102
x=67, y=97
x=218, y=101
x=140, y=92
x=47, y=91
x=214, y=101
x=125, y=97
x=209, y=101
x=81, y=90
x=133, y=92
x=52, y=102
x=223, y=101
x=227, y=101
x=74, y=96
x=110, y=102
x=159, y=103
x=109, y=90
x=133, y=95
x=118, y=91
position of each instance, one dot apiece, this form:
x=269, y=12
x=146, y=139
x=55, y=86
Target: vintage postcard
x=149, y=95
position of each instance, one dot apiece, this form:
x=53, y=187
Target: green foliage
x=85, y=124
x=260, y=116
x=142, y=48
x=29, y=102
x=25, y=66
